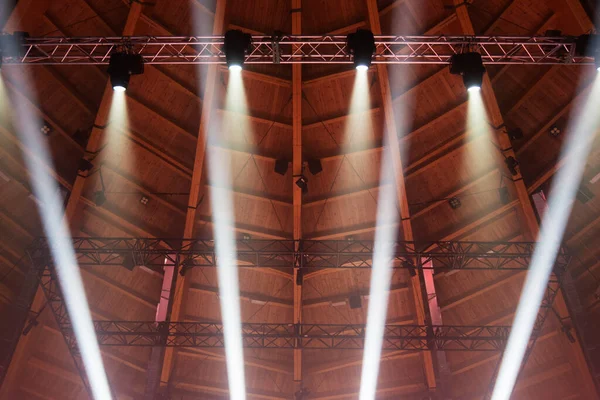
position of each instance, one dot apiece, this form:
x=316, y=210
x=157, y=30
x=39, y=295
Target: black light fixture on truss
x=361, y=45
x=11, y=45
x=470, y=67
x=589, y=45
x=236, y=45
x=120, y=68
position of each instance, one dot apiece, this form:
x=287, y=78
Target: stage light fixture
x=314, y=166
x=236, y=45
x=144, y=200
x=454, y=202
x=554, y=131
x=302, y=183
x=99, y=198
x=281, y=166
x=121, y=67
x=361, y=44
x=470, y=67
x=11, y=45
x=246, y=236
x=512, y=165
x=588, y=46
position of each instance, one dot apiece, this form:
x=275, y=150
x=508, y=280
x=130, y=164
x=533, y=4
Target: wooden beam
x=255, y=298
x=382, y=389
x=178, y=297
x=393, y=143
x=203, y=354
x=297, y=170
x=215, y=388
x=356, y=361
x=326, y=301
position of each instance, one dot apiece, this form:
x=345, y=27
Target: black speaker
x=355, y=301
x=314, y=166
x=281, y=166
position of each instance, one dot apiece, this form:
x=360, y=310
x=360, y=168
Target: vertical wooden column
x=529, y=220
x=296, y=171
x=393, y=144
x=182, y=285
x=21, y=352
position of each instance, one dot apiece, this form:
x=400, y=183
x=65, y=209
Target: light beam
x=583, y=127
x=46, y=190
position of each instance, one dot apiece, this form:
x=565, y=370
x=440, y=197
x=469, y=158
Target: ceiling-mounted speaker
x=314, y=166
x=281, y=166
x=355, y=301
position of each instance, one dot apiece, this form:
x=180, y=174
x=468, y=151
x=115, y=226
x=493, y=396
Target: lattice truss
x=156, y=253
x=288, y=49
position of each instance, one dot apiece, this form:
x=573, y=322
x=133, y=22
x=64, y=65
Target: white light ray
x=583, y=127
x=55, y=228
x=223, y=223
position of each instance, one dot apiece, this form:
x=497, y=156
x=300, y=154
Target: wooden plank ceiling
x=164, y=107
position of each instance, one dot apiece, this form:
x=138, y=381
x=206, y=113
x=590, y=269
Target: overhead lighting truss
x=543, y=50
x=312, y=254
x=284, y=254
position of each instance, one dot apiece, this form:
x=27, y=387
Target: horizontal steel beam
x=291, y=336
x=288, y=49
x=312, y=254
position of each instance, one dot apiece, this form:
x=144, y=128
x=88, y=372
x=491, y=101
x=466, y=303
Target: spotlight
x=512, y=165
x=504, y=195
x=120, y=68
x=302, y=183
x=246, y=237
x=588, y=46
x=144, y=200
x=355, y=301
x=470, y=67
x=361, y=44
x=12, y=45
x=455, y=203
x=237, y=44
x=128, y=262
x=350, y=238
x=99, y=198
x=281, y=166
x=515, y=134
x=554, y=131
x=185, y=265
x=46, y=128
x=314, y=166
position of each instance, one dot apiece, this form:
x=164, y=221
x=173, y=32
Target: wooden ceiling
x=164, y=106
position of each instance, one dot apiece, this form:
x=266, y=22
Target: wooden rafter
x=23, y=346
x=297, y=170
x=391, y=134
x=183, y=283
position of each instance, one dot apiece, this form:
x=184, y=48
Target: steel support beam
x=299, y=49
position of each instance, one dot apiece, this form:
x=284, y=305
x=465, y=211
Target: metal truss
x=292, y=336
x=281, y=254
x=304, y=49
x=311, y=254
